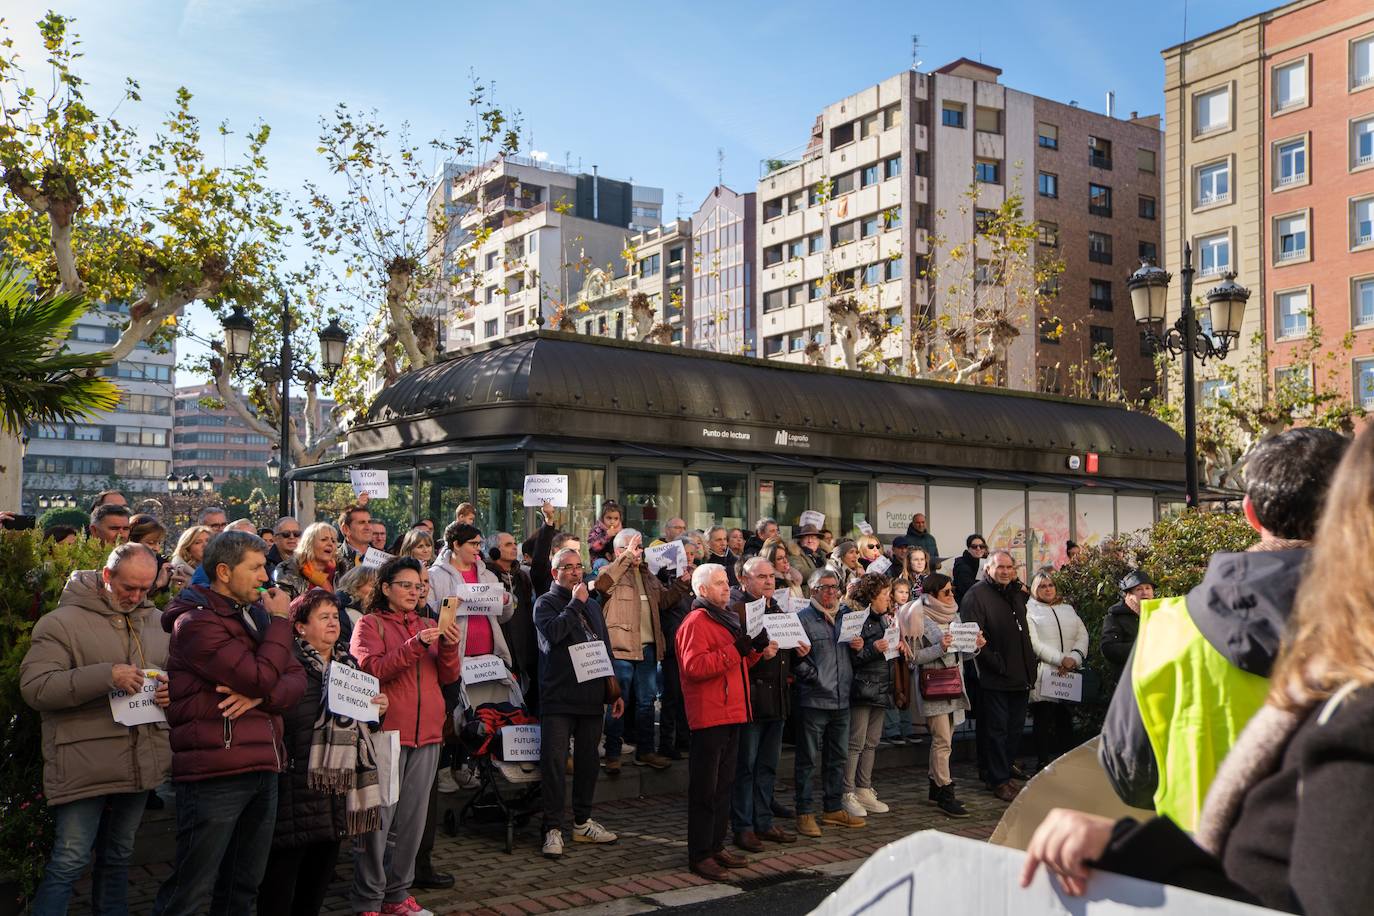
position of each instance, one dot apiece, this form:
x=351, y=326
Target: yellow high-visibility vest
x=1193, y=703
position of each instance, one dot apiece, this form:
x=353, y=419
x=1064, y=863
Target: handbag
x=942, y=683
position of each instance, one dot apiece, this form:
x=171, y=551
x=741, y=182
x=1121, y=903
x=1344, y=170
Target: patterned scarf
x=341, y=760
x=322, y=576
x=941, y=612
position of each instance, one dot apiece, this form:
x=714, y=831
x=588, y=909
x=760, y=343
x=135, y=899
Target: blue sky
x=644, y=91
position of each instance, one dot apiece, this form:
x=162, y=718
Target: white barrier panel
x=942, y=875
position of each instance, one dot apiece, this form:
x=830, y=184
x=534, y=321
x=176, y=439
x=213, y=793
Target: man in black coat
x=571, y=709
x=1122, y=623
x=1006, y=667
x=717, y=542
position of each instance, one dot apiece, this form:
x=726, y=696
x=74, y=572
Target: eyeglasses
x=827, y=588
x=947, y=590
x=288, y=534
x=570, y=566
x=978, y=547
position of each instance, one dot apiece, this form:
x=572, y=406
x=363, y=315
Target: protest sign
x=520, y=743
x=893, y=637
x=794, y=603
x=374, y=558
x=546, y=488
x=139, y=708
x=753, y=616
x=880, y=566
x=664, y=555
x=862, y=525
x=351, y=692
x=480, y=668
x=786, y=630
x=1066, y=687
x=374, y=483
x=479, y=598
x=590, y=660
x=386, y=749
x=965, y=637
x=851, y=625
x=812, y=517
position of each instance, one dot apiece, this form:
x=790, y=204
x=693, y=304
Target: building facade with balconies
x=724, y=242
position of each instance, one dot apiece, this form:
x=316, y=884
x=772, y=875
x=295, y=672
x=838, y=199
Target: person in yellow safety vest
x=1200, y=667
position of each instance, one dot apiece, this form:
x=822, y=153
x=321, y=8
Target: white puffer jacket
x=1055, y=631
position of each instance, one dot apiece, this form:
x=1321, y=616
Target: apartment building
x=724, y=236
x=130, y=447
x=523, y=236
x=216, y=441
x=899, y=177
x=1274, y=167
x=656, y=263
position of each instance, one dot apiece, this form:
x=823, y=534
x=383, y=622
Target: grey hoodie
x=1241, y=607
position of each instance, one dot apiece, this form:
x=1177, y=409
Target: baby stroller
x=508, y=792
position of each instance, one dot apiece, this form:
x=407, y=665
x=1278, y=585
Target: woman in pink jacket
x=411, y=657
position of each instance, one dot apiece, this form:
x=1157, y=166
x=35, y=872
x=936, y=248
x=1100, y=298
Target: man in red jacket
x=232, y=674
x=714, y=652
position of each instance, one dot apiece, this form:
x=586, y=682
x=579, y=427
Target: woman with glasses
x=968, y=566
x=314, y=563
x=870, y=548
x=944, y=709
x=403, y=648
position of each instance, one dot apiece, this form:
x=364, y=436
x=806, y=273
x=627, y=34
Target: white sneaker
x=592, y=832
x=852, y=806
x=553, y=844
x=468, y=777
x=870, y=801
x=447, y=785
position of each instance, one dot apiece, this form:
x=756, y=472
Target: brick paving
x=649, y=859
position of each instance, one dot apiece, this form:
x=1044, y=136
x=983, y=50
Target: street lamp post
x=238, y=332
x=1149, y=287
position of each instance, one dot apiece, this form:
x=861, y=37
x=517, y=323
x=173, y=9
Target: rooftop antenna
x=720, y=165
x=679, y=205
x=916, y=52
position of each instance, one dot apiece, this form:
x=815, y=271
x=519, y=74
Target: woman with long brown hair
x=1286, y=822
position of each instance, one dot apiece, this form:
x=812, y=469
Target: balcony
x=1292, y=254
x=1291, y=178
x=1099, y=160
x=1099, y=257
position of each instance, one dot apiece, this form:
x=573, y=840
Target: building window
x=870, y=225
x=892, y=116
x=1290, y=85
x=774, y=299
x=1147, y=207
x=1147, y=345
x=1215, y=390
x=892, y=168
x=649, y=267
x=1213, y=183
x=1099, y=248
x=1048, y=136
x=1051, y=330
x=1362, y=295
x=983, y=220
x=987, y=171
x=1048, y=184
x=815, y=290
x=952, y=114
x=1362, y=143
x=772, y=209
x=894, y=268
x=1290, y=162
x=1295, y=380
x=1292, y=313
x=918, y=164
x=814, y=243
x=873, y=274
x=1101, y=336
x=490, y=294
x=1100, y=295
x=1212, y=111
x=1099, y=153
x=1364, y=382
x=1099, y=200
x=1362, y=62
x=772, y=255
x=772, y=346
x=1214, y=254
x=795, y=248
x=1145, y=160
x=988, y=120
x=842, y=135
x=868, y=125
x=843, y=234
x=1148, y=251
x=1048, y=234
x=843, y=184
x=514, y=320
x=1291, y=237
x=892, y=218
x=868, y=175
x=1362, y=222
x=532, y=242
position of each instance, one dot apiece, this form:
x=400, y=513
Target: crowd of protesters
x=272, y=786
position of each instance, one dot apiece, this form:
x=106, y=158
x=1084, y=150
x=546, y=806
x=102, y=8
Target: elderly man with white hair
x=715, y=653
x=633, y=599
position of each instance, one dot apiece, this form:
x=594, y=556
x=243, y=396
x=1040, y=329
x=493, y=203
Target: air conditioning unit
x=1092, y=142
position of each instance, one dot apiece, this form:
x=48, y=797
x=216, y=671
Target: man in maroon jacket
x=232, y=674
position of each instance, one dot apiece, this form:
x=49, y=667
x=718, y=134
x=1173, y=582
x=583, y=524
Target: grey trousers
x=384, y=860
x=865, y=731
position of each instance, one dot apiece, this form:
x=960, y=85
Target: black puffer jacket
x=304, y=816
x=770, y=691
x=872, y=684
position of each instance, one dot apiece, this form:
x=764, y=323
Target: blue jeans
x=107, y=823
x=224, y=833
x=640, y=679
x=824, y=738
x=751, y=802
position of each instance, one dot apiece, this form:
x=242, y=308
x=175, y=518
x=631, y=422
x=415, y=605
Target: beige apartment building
x=898, y=175
x=660, y=268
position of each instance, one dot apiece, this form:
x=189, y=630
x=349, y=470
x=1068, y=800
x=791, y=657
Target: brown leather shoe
x=656, y=761
x=842, y=818
x=1006, y=792
x=731, y=859
x=777, y=835
x=748, y=841
x=807, y=826
x=710, y=870
x=613, y=765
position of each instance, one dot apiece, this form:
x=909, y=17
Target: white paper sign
x=893, y=637
x=664, y=555
x=479, y=598
x=480, y=668
x=374, y=558
x=374, y=483
x=1066, y=687
x=965, y=637
x=794, y=603
x=351, y=692
x=546, y=488
x=590, y=660
x=851, y=625
x=520, y=743
x=138, y=708
x=786, y=630
x=880, y=566
x=753, y=616
x=386, y=747
x=865, y=527
x=812, y=517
